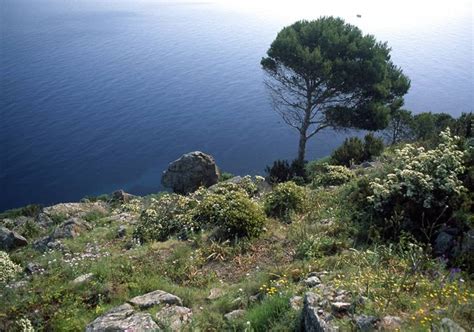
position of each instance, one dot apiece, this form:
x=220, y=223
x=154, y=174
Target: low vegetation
x=370, y=235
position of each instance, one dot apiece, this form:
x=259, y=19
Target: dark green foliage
x=427, y=126
x=373, y=147
x=400, y=127
x=353, y=151
x=282, y=171
x=350, y=152
x=225, y=176
x=326, y=73
x=285, y=199
x=31, y=210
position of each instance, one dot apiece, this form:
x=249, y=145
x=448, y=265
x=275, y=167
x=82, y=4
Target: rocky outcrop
x=154, y=298
x=189, y=172
x=121, y=196
x=123, y=318
x=69, y=210
x=69, y=229
x=233, y=315
x=10, y=240
x=174, y=318
x=314, y=320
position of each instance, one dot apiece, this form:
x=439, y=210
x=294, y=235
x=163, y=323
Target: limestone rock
x=69, y=210
x=83, y=279
x=233, y=315
x=174, y=317
x=10, y=240
x=447, y=325
x=313, y=321
x=340, y=307
x=154, y=298
x=122, y=231
x=366, y=323
x=121, y=196
x=391, y=323
x=191, y=171
x=312, y=281
x=123, y=318
x=70, y=229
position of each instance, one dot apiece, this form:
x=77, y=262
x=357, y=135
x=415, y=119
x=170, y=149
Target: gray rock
x=447, y=325
x=312, y=281
x=444, y=243
x=233, y=315
x=83, y=279
x=10, y=240
x=122, y=231
x=154, y=298
x=390, y=323
x=215, y=293
x=313, y=321
x=366, y=323
x=70, y=229
x=121, y=196
x=69, y=210
x=340, y=307
x=296, y=302
x=33, y=268
x=174, y=317
x=123, y=318
x=191, y=171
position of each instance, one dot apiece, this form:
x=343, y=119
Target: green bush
x=8, y=269
x=245, y=183
x=330, y=175
x=419, y=191
x=281, y=171
x=285, y=199
x=233, y=214
x=355, y=151
x=169, y=215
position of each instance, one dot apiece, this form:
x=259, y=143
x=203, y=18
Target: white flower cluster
x=427, y=177
x=8, y=269
x=24, y=325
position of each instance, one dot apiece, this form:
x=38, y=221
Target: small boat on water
x=359, y=15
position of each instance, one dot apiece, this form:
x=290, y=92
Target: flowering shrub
x=422, y=187
x=284, y=199
x=24, y=325
x=330, y=175
x=233, y=213
x=169, y=215
x=8, y=269
x=246, y=184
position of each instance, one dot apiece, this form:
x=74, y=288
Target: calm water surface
x=100, y=95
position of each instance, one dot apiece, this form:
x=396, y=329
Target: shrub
x=282, y=171
x=373, y=147
x=330, y=175
x=420, y=191
x=8, y=269
x=285, y=198
x=225, y=176
x=169, y=215
x=354, y=151
x=232, y=213
x=241, y=183
x=350, y=152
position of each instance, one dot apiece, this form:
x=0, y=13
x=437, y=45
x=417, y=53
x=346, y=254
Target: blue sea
x=98, y=95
